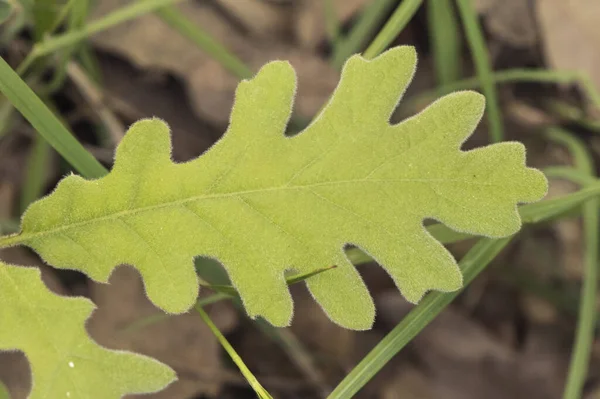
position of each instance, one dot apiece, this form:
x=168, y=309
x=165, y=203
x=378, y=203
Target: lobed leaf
x=64, y=361
x=263, y=203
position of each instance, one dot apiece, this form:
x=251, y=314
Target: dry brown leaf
x=260, y=17
x=183, y=342
x=309, y=15
x=409, y=383
x=132, y=96
x=150, y=43
x=510, y=21
x=571, y=35
x=538, y=310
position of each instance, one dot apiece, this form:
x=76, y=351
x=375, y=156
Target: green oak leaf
x=263, y=203
x=64, y=361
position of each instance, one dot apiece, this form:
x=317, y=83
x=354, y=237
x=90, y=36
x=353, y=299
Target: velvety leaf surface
x=262, y=203
x=64, y=361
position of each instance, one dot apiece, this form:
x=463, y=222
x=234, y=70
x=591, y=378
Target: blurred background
x=508, y=335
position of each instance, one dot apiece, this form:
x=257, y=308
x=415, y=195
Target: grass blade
x=483, y=67
x=398, y=21
x=37, y=165
x=356, y=39
x=121, y=15
x=586, y=322
x=572, y=174
x=296, y=351
x=472, y=264
x=581, y=157
x=332, y=23
x=555, y=207
x=445, y=40
x=524, y=75
x=260, y=391
x=204, y=41
x=46, y=124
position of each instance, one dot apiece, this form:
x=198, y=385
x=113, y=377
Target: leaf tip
x=274, y=74
x=146, y=141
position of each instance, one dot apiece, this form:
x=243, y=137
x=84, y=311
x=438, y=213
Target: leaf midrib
x=20, y=238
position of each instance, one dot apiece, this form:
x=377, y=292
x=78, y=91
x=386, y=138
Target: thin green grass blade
x=398, y=21
x=158, y=317
x=590, y=88
x=121, y=15
x=571, y=114
x=581, y=157
x=89, y=63
x=515, y=75
x=361, y=31
x=520, y=75
x=296, y=351
x=260, y=391
x=45, y=123
x=550, y=209
x=223, y=292
x=445, y=40
x=7, y=8
x=37, y=165
x=482, y=65
x=45, y=12
x=230, y=290
x=586, y=322
x=205, y=41
x=572, y=174
x=471, y=265
x=332, y=23
x=48, y=16
x=76, y=16
x=63, y=13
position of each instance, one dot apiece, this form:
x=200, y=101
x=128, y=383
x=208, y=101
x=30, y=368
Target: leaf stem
x=260, y=391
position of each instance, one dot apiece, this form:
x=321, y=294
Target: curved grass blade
x=586, y=322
